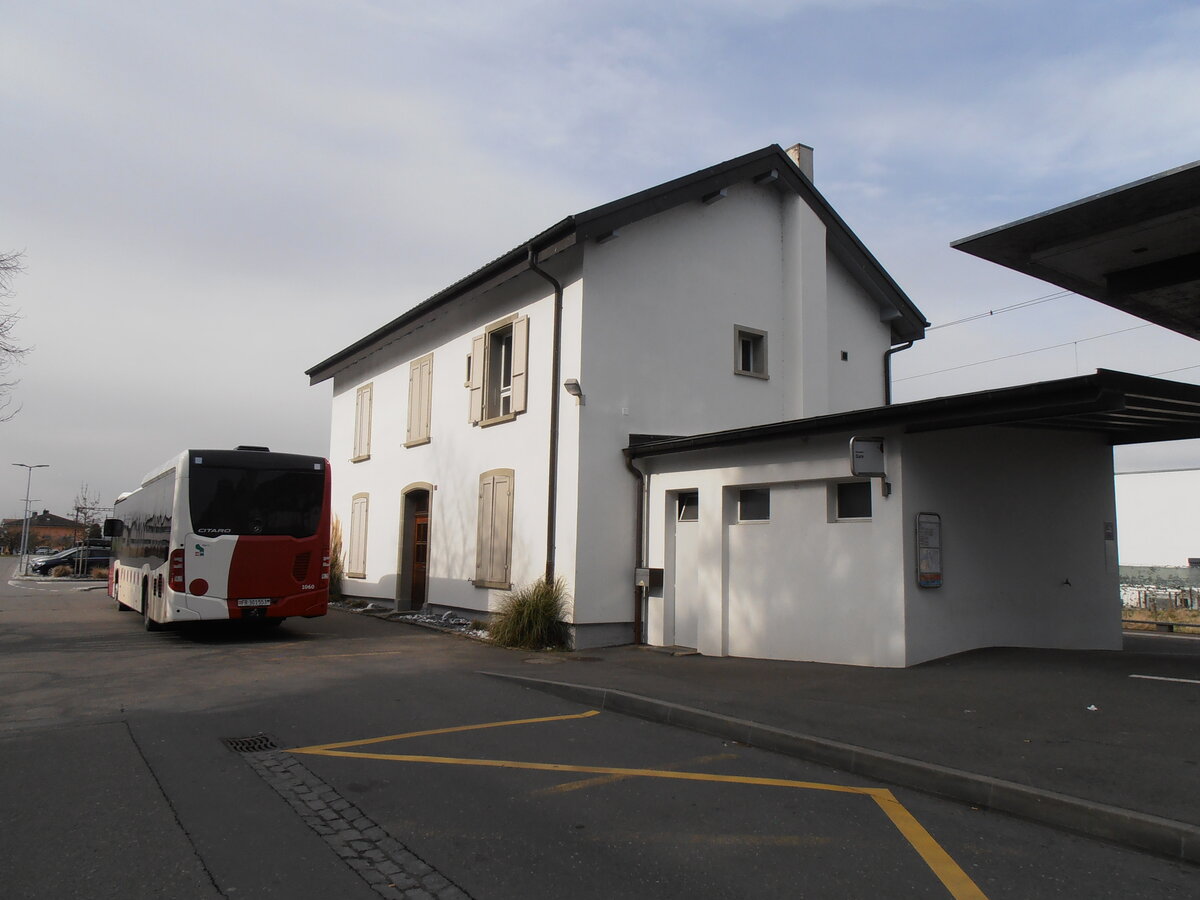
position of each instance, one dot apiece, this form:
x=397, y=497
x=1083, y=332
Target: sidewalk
x=1065, y=737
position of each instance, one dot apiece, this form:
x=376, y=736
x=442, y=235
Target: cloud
x=220, y=195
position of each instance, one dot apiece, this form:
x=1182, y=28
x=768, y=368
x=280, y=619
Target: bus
x=224, y=534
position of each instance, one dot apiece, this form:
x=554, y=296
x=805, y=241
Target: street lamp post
x=25, y=524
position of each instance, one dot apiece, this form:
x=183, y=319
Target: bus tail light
x=176, y=570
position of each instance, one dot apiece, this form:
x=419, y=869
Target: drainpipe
x=639, y=553
x=887, y=371
x=555, y=370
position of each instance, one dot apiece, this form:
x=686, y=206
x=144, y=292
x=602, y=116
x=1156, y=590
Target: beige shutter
x=501, y=527
x=356, y=562
x=478, y=364
x=520, y=362
x=493, y=547
x=414, y=402
x=420, y=390
x=362, y=423
x=483, y=544
x=426, y=397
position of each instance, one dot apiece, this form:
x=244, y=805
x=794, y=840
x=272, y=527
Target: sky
x=213, y=197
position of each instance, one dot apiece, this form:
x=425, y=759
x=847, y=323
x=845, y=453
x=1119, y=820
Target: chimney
x=802, y=156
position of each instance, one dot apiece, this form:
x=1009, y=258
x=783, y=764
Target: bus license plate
x=255, y=601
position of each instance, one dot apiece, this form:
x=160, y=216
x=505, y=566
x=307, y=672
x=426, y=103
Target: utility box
x=652, y=579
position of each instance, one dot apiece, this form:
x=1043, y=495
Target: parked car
x=43, y=553
x=93, y=557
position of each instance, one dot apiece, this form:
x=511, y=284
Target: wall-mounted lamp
x=572, y=387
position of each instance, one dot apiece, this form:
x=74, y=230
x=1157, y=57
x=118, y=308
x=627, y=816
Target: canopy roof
x=1126, y=409
x=1135, y=248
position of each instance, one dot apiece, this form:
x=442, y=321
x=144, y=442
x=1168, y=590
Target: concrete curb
x=1140, y=831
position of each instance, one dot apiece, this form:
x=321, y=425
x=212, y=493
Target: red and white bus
x=224, y=534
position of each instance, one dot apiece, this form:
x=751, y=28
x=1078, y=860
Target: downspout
x=639, y=553
x=555, y=370
x=887, y=371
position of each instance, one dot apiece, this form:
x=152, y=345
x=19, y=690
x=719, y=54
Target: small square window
x=687, y=506
x=754, y=505
x=750, y=351
x=854, y=500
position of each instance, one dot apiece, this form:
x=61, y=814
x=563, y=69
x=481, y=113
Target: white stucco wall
x=648, y=330
x=1023, y=512
x=661, y=303
x=856, y=330
x=458, y=453
x=798, y=587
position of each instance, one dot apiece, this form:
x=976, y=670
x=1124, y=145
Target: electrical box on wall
x=648, y=578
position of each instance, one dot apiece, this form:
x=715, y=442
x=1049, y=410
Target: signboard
x=866, y=457
x=929, y=550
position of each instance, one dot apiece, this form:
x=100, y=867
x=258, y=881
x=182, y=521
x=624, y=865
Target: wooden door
x=420, y=557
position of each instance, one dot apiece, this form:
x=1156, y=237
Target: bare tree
x=10, y=351
x=87, y=509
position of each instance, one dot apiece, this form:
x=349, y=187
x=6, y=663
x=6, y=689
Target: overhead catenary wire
x=1173, y=371
x=1057, y=295
x=983, y=362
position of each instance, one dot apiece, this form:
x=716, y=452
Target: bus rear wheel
x=148, y=623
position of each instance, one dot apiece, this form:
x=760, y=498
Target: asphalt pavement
x=1102, y=743
x=1105, y=744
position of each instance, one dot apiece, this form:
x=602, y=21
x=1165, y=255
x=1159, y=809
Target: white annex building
x=656, y=400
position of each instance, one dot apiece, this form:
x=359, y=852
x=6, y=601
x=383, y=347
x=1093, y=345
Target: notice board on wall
x=929, y=550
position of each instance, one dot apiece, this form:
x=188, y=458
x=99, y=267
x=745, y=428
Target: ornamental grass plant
x=336, y=566
x=531, y=618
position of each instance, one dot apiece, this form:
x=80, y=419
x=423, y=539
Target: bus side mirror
x=113, y=528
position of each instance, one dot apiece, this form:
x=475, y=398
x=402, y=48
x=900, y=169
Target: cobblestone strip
x=390, y=868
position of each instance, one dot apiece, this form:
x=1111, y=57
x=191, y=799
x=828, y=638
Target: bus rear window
x=256, y=501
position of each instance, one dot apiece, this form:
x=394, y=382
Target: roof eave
x=550, y=242
x=1100, y=396
x=768, y=165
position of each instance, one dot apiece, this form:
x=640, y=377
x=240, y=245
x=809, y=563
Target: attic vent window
x=754, y=505
x=853, y=500
x=750, y=352
x=688, y=506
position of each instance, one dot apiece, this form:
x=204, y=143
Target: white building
x=477, y=443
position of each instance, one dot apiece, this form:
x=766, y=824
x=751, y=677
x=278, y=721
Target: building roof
x=45, y=519
x=770, y=165
x=1135, y=248
x=1124, y=408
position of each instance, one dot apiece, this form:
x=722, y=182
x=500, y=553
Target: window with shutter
x=497, y=371
x=420, y=400
x=362, y=424
x=356, y=550
x=493, y=547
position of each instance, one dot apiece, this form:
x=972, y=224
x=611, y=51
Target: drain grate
x=256, y=743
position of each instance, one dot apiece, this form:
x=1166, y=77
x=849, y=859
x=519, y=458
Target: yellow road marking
x=412, y=734
x=590, y=770
x=612, y=779
x=955, y=880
